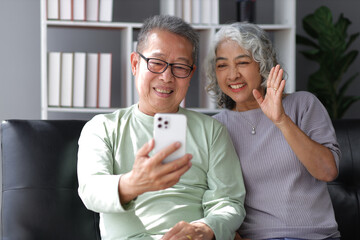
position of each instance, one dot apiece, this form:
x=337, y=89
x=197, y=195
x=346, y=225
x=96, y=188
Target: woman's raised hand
x=271, y=104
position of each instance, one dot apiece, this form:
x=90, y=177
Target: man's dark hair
x=171, y=24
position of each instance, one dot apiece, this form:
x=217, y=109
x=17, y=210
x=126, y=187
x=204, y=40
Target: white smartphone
x=170, y=128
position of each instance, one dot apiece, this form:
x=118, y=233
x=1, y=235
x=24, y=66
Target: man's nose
x=167, y=75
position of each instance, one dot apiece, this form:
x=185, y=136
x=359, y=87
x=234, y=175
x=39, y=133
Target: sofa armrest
x=39, y=175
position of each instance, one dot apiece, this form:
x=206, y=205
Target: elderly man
x=197, y=196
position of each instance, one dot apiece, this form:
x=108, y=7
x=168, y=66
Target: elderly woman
x=286, y=143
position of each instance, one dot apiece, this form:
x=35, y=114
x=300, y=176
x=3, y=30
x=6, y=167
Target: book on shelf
x=192, y=11
x=167, y=7
x=66, y=79
x=79, y=79
x=92, y=10
x=52, y=9
x=187, y=11
x=91, y=80
x=206, y=11
x=196, y=11
x=179, y=8
x=54, y=66
x=79, y=10
x=105, y=10
x=215, y=11
x=104, y=81
x=65, y=9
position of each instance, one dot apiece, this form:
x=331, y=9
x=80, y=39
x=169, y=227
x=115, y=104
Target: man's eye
x=158, y=63
x=180, y=68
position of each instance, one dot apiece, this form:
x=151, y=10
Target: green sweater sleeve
x=223, y=203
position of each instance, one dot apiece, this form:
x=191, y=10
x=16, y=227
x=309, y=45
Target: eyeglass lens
x=159, y=66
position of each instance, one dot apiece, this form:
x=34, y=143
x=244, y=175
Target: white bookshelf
x=59, y=35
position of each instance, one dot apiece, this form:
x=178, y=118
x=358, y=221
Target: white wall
x=19, y=60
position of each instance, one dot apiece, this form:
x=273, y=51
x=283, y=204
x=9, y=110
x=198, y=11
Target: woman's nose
x=233, y=73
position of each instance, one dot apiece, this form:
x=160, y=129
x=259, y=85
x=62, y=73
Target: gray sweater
x=282, y=198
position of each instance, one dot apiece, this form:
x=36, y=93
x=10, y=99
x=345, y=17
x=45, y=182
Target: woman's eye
x=221, y=66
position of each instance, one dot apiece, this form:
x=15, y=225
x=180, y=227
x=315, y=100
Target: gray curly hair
x=252, y=39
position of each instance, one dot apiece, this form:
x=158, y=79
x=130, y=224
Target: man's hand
x=189, y=231
x=238, y=237
x=150, y=174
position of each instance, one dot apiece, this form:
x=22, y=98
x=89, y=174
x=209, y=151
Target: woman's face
x=237, y=74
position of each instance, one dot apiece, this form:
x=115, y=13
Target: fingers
x=176, y=167
x=270, y=77
x=175, y=231
x=275, y=81
x=151, y=174
x=278, y=74
x=257, y=95
x=282, y=86
x=146, y=149
x=194, y=231
x=161, y=155
x=172, y=171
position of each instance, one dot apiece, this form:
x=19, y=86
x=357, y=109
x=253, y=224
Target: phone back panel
x=169, y=128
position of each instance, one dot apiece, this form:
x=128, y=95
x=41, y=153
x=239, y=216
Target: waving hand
x=271, y=104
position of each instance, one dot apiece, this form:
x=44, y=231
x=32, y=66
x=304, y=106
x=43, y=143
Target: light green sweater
x=212, y=191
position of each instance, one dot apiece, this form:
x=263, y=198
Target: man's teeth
x=162, y=90
x=237, y=86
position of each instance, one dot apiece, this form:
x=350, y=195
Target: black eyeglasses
x=155, y=65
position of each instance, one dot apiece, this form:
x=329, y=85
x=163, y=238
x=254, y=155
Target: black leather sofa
x=39, y=182
x=345, y=190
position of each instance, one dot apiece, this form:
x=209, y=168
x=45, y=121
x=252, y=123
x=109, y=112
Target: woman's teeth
x=237, y=86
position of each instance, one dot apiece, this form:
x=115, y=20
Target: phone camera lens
x=160, y=118
x=159, y=126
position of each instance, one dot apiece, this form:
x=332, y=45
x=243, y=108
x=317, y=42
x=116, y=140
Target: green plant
x=329, y=48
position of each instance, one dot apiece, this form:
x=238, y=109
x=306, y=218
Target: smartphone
x=170, y=128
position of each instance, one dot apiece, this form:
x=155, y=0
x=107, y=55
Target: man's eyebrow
x=157, y=55
x=160, y=55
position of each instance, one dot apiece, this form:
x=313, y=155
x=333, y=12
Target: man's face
x=162, y=92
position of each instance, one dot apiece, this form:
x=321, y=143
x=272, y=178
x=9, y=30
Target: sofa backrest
x=345, y=190
x=39, y=192
x=40, y=199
